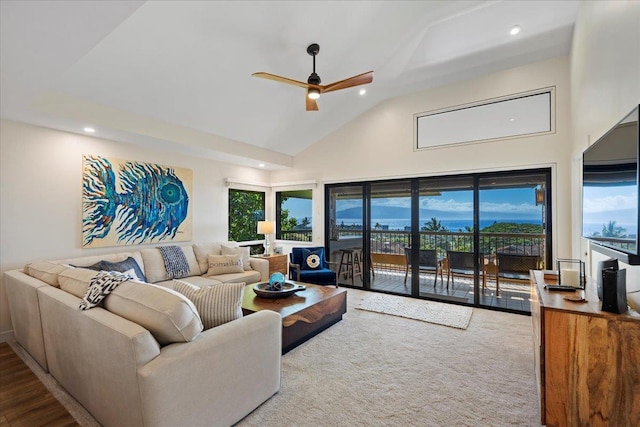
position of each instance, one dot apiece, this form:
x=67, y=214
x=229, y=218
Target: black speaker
x=607, y=263
x=614, y=290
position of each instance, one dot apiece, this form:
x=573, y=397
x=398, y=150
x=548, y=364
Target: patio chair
x=428, y=261
x=309, y=265
x=461, y=263
x=515, y=268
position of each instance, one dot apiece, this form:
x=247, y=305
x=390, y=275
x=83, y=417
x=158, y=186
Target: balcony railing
x=300, y=235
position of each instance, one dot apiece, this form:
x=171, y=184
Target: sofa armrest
x=218, y=378
x=262, y=266
x=22, y=293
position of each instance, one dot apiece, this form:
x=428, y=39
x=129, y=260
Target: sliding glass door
x=513, y=236
x=390, y=230
x=447, y=227
x=468, y=239
x=345, y=232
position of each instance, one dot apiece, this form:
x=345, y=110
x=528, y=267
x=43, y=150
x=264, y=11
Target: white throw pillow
x=224, y=264
x=239, y=250
x=216, y=304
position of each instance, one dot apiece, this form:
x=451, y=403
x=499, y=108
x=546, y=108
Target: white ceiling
x=177, y=74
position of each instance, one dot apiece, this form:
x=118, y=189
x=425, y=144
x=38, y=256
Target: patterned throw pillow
x=312, y=260
x=101, y=286
x=239, y=250
x=216, y=304
x=175, y=261
x=224, y=264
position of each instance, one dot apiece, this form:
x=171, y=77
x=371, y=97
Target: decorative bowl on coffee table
x=288, y=289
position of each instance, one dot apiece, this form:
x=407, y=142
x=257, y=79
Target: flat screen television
x=610, y=210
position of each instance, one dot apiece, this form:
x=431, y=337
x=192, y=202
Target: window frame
x=278, y=210
x=487, y=102
x=257, y=238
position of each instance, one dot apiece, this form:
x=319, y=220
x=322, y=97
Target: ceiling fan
x=313, y=86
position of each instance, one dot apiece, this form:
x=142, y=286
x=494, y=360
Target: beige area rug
x=455, y=316
x=373, y=370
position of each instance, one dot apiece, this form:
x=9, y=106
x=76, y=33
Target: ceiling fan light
x=313, y=93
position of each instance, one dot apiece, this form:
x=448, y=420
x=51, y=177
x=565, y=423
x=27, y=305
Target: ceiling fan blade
x=360, y=79
x=312, y=105
x=280, y=79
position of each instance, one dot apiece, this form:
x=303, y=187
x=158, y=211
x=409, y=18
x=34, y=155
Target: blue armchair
x=309, y=265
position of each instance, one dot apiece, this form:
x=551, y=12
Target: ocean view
x=451, y=225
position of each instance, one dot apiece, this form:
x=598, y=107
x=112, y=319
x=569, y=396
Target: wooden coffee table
x=304, y=314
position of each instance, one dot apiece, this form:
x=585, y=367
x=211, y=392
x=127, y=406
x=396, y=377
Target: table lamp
x=266, y=228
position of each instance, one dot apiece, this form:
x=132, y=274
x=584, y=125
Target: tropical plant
x=433, y=225
x=246, y=208
x=613, y=230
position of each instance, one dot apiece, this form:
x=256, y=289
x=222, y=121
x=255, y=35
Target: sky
x=610, y=203
x=501, y=201
x=494, y=201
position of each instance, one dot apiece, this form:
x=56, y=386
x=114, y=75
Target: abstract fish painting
x=131, y=203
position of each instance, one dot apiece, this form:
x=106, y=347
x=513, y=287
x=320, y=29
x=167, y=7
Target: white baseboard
x=7, y=336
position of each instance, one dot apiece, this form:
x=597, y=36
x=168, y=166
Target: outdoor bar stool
x=350, y=263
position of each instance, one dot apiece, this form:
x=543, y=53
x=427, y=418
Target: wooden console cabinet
x=587, y=360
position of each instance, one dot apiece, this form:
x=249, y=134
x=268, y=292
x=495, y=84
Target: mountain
x=397, y=212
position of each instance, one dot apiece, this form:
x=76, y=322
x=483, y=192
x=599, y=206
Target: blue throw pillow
x=122, y=266
x=312, y=260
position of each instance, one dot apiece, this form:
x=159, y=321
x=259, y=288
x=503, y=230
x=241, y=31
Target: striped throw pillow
x=216, y=304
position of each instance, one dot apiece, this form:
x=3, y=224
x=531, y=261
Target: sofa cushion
x=239, y=250
x=246, y=277
x=154, y=267
x=121, y=266
x=202, y=250
x=46, y=271
x=101, y=286
x=222, y=264
x=216, y=304
x=76, y=280
x=168, y=315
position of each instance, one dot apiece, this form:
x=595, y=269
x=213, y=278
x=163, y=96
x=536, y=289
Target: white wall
x=379, y=143
x=41, y=199
x=605, y=86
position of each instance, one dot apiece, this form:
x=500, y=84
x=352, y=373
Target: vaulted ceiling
x=177, y=74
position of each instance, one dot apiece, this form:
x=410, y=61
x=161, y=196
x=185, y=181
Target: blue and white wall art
x=130, y=203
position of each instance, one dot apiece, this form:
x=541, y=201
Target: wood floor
x=24, y=400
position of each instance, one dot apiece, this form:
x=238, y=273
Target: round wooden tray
x=288, y=289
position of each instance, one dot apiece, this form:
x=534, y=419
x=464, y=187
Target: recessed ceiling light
x=514, y=30
x=261, y=165
x=89, y=130
x=512, y=119
x=363, y=91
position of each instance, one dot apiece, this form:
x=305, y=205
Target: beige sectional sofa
x=143, y=358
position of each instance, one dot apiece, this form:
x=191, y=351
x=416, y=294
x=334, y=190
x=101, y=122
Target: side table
x=277, y=263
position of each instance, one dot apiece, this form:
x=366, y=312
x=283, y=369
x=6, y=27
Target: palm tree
x=612, y=230
x=433, y=225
